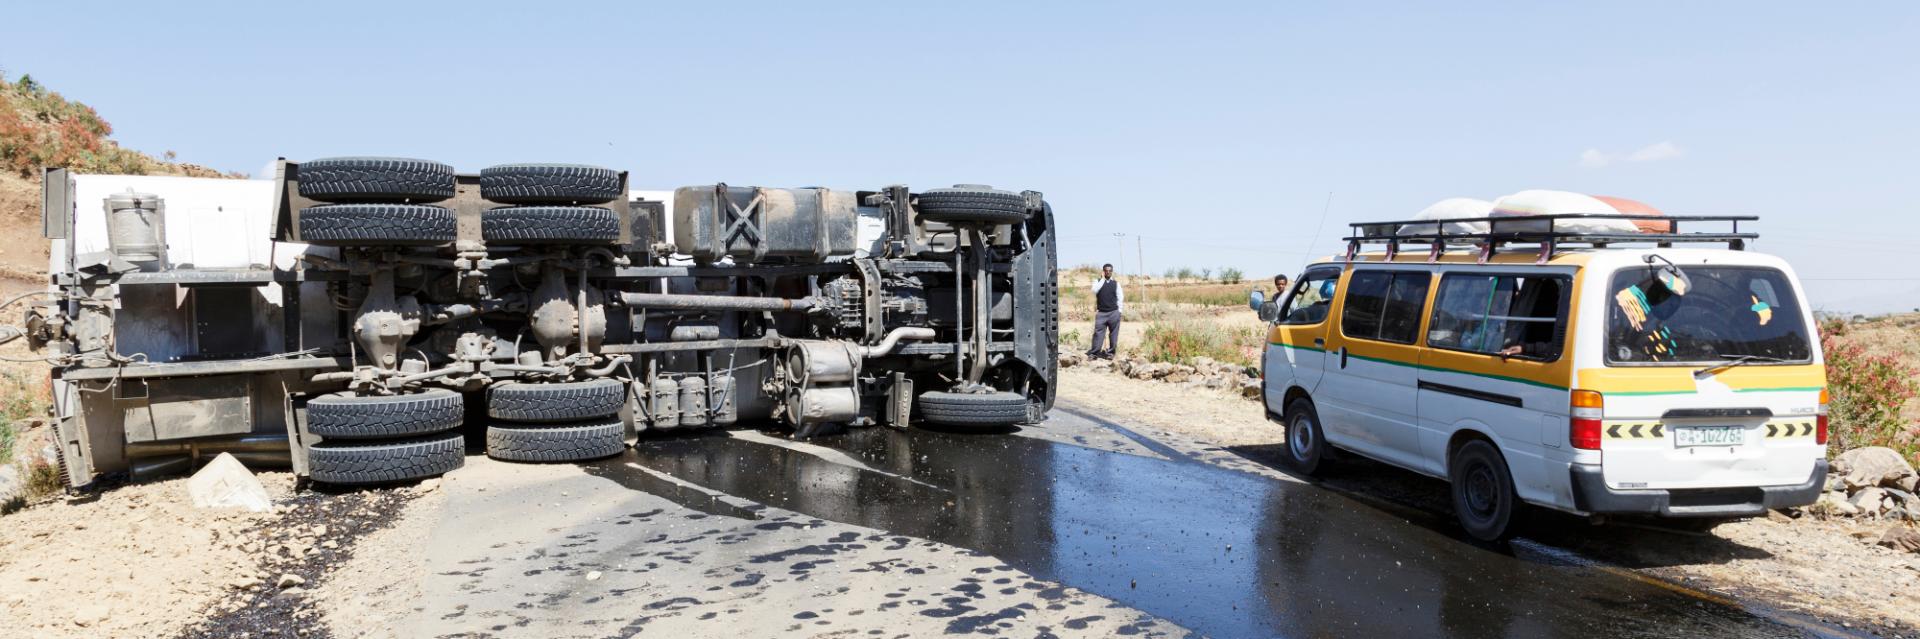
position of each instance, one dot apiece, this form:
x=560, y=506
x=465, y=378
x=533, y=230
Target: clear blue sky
x=1213, y=131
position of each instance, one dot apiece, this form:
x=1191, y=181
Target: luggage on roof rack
x=1544, y=230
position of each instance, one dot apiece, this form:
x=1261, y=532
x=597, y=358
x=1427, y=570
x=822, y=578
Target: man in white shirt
x=1109, y=301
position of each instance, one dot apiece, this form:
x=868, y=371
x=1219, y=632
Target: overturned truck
x=352, y=316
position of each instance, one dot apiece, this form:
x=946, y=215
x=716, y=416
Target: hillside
x=41, y=128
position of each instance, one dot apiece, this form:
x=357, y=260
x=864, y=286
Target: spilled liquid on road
x=1222, y=552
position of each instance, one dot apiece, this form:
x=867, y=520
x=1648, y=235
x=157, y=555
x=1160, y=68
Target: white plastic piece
x=226, y=483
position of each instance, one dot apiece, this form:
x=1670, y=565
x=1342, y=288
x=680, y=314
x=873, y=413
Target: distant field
x=1170, y=321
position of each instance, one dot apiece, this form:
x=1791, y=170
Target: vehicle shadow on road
x=1425, y=501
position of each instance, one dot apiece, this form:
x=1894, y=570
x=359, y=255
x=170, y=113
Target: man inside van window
x=1108, y=302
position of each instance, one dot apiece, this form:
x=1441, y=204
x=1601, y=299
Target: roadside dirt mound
x=137, y=561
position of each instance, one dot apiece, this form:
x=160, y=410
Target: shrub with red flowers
x=1865, y=395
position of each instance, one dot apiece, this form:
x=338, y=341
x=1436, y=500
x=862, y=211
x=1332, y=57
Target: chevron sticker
x=1791, y=429
x=1636, y=431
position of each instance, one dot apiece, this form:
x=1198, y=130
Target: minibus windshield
x=1725, y=312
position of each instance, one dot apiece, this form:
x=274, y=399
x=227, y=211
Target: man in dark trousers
x=1108, y=302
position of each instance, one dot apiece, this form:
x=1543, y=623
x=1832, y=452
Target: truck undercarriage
x=349, y=317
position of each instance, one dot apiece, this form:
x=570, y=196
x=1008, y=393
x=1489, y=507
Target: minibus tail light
x=1820, y=434
x=1585, y=408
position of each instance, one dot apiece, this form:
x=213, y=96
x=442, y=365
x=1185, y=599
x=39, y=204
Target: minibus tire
x=972, y=203
x=556, y=402
x=549, y=184
x=575, y=441
x=364, y=179
x=1483, y=496
x=1312, y=448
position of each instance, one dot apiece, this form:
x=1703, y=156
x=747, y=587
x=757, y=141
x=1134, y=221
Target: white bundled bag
x=1453, y=208
x=1537, y=202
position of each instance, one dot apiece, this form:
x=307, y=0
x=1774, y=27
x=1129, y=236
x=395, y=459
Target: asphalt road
x=1075, y=527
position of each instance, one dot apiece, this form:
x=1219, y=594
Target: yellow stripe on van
x=1678, y=380
x=1490, y=370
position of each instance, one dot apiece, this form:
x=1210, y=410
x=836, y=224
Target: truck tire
x=550, y=225
x=972, y=203
x=364, y=462
x=344, y=416
x=549, y=184
x=573, y=441
x=557, y=402
x=375, y=180
x=998, y=408
x=377, y=224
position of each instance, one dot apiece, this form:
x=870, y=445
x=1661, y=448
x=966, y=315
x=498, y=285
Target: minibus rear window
x=1725, y=312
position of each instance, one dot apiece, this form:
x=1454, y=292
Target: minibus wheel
x=1306, y=443
x=1483, y=495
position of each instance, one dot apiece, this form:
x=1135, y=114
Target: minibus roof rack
x=1544, y=231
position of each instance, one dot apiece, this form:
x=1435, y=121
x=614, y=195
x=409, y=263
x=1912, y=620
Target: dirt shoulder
x=1808, y=566
x=136, y=561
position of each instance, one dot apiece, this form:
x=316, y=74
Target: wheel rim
x=1300, y=437
x=1482, y=496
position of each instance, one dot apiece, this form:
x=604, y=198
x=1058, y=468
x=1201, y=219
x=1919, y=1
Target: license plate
x=1708, y=436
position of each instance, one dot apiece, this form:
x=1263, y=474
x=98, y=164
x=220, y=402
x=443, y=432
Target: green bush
x=41, y=128
x=1231, y=275
x=1181, y=341
x=1865, y=394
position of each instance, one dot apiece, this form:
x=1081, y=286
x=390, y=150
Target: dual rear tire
x=376, y=201
x=375, y=439
x=556, y=422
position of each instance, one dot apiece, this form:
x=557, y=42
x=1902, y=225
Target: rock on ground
x=1872, y=466
x=1902, y=538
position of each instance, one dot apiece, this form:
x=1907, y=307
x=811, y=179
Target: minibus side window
x=1312, y=298
x=1507, y=315
x=1384, y=305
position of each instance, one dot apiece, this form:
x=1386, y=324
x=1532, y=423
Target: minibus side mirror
x=1268, y=309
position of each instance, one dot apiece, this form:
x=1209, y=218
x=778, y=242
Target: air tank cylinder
x=136, y=227
x=693, y=402
x=725, y=411
x=663, y=404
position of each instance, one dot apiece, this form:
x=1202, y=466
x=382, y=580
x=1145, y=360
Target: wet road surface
x=1076, y=527
x=1223, y=553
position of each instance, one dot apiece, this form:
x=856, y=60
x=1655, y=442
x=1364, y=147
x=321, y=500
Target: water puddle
x=1221, y=552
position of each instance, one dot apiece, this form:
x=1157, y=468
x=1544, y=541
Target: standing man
x=1108, y=301
x=1279, y=287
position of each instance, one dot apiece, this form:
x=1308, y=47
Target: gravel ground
x=1807, y=566
x=294, y=554
x=132, y=561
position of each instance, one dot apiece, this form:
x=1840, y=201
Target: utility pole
x=1140, y=254
x=1119, y=241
